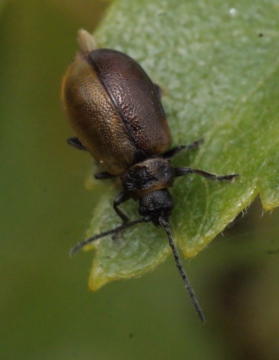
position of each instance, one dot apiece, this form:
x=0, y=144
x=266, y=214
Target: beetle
x=116, y=113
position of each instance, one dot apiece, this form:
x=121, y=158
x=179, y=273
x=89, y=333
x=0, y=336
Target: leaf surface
x=218, y=68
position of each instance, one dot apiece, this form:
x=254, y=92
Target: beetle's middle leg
x=194, y=145
x=103, y=175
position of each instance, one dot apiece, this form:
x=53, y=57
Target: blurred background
x=46, y=310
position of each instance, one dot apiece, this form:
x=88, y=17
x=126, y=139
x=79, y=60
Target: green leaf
x=219, y=71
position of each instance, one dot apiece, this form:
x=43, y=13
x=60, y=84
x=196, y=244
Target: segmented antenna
x=165, y=225
x=121, y=227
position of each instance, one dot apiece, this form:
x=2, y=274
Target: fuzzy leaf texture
x=218, y=67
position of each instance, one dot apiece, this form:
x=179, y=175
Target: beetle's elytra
x=116, y=113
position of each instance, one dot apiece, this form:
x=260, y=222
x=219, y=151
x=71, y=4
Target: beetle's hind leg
x=194, y=145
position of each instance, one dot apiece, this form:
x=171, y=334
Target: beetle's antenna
x=165, y=225
x=119, y=228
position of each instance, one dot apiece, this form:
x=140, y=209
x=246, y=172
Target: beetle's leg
x=180, y=171
x=103, y=175
x=158, y=90
x=194, y=145
x=75, y=142
x=121, y=198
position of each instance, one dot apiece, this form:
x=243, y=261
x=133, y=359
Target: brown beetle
x=116, y=112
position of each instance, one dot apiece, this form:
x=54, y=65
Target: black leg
x=75, y=142
x=194, y=145
x=121, y=198
x=158, y=90
x=103, y=175
x=181, y=171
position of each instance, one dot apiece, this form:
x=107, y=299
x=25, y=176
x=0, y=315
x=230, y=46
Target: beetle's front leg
x=181, y=171
x=121, y=198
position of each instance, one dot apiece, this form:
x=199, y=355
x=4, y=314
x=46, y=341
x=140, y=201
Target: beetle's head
x=157, y=204
x=156, y=207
